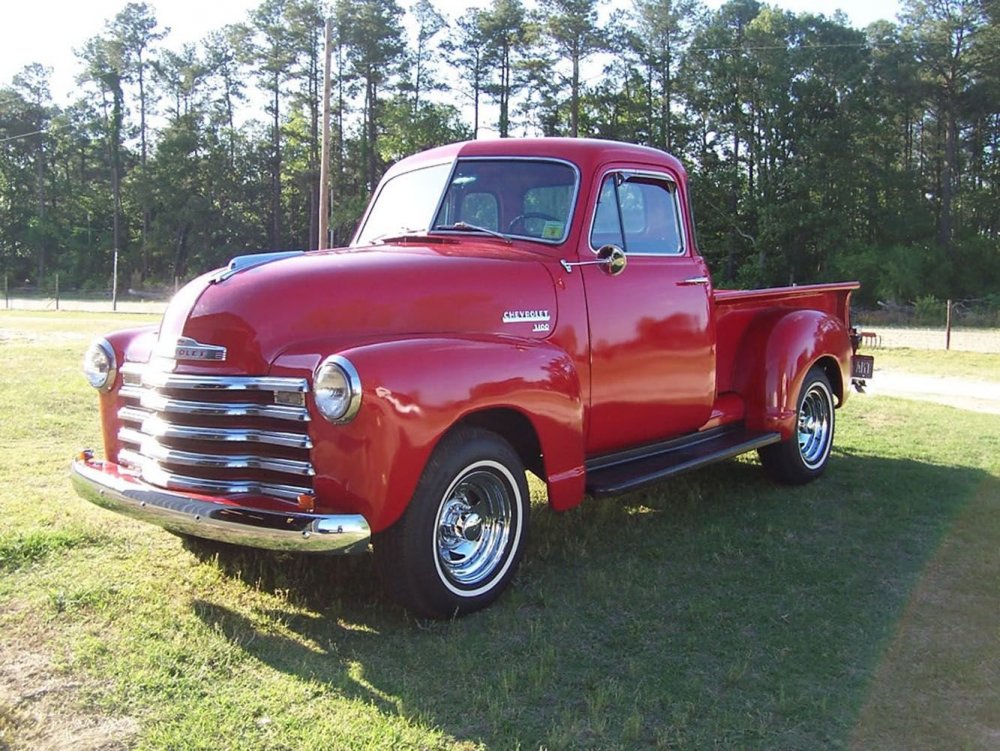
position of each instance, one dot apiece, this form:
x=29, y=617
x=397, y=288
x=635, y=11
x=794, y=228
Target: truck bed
x=736, y=311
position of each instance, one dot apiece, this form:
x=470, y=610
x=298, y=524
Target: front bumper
x=102, y=484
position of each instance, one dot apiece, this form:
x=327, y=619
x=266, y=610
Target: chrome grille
x=225, y=435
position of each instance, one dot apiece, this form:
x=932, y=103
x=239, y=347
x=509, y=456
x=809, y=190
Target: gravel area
x=963, y=393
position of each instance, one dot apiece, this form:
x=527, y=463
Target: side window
x=644, y=209
x=656, y=228
x=607, y=229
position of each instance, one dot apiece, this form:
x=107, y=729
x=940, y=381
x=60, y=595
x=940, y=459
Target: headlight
x=337, y=389
x=99, y=365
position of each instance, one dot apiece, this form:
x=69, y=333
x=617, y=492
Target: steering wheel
x=522, y=218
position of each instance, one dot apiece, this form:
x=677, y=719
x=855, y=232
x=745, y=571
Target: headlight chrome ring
x=100, y=367
x=337, y=389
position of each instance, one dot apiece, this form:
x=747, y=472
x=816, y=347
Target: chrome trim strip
x=134, y=369
x=130, y=435
x=133, y=414
x=186, y=348
x=156, y=379
x=157, y=402
x=651, y=175
x=153, y=449
x=347, y=367
x=113, y=367
x=156, y=426
x=179, y=513
x=241, y=263
x=154, y=474
x=131, y=392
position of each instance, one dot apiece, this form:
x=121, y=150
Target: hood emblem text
x=525, y=316
x=185, y=348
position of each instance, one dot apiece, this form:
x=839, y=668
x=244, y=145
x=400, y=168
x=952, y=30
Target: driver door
x=652, y=339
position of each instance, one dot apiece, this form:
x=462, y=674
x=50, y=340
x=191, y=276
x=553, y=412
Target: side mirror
x=614, y=259
x=611, y=257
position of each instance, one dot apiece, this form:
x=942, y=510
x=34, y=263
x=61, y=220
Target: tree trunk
x=276, y=169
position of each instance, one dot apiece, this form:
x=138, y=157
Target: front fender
x=414, y=390
x=776, y=353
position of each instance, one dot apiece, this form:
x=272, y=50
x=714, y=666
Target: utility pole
x=324, y=159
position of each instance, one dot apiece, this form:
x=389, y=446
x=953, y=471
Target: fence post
x=57, y=291
x=6, y=294
x=114, y=278
x=947, y=328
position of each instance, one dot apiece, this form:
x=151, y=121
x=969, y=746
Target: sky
x=48, y=31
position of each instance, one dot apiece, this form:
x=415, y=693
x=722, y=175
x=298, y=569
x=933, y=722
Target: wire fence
x=54, y=297
x=982, y=312
x=965, y=325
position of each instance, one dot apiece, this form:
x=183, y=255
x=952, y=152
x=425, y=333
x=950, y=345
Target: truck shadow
x=714, y=605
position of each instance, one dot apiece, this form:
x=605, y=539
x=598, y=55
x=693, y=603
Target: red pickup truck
x=506, y=305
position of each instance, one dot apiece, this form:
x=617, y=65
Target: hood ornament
x=187, y=349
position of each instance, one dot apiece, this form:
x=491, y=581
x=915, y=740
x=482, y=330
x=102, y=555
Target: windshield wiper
x=399, y=232
x=466, y=227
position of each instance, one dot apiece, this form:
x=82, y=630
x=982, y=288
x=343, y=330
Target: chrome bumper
x=103, y=485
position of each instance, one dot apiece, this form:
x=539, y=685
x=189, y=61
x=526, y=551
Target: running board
x=629, y=470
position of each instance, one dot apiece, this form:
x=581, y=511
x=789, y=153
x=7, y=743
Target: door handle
x=693, y=280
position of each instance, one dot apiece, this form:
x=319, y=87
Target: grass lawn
x=713, y=611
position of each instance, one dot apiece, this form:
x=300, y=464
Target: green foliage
x=929, y=311
x=816, y=150
x=22, y=549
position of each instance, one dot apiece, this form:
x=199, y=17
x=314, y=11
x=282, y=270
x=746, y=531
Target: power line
x=23, y=135
x=820, y=46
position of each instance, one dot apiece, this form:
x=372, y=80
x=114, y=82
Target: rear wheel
x=804, y=456
x=460, y=540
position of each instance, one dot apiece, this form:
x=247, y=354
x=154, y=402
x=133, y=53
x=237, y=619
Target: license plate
x=862, y=366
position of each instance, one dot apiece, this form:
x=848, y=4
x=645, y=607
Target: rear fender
x=777, y=351
x=414, y=391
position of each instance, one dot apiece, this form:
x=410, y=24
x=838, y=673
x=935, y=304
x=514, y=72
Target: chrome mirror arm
x=570, y=265
x=610, y=256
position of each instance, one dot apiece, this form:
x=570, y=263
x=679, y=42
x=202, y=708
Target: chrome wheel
x=474, y=524
x=803, y=456
x=815, y=424
x=460, y=539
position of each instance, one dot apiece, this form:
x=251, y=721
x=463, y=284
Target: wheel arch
x=831, y=369
x=514, y=427
x=777, y=352
x=417, y=390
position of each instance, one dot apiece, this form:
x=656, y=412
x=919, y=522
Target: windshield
x=405, y=204
x=530, y=198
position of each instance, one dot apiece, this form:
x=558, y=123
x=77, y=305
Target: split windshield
x=527, y=198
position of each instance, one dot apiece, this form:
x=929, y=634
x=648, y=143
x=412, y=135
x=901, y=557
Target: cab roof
x=586, y=153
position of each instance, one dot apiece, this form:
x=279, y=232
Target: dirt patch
x=936, y=685
x=48, y=337
x=963, y=393
x=40, y=708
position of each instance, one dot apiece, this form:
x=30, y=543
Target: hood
x=347, y=297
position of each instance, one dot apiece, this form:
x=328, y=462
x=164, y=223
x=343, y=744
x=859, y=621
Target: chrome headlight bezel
x=100, y=366
x=337, y=390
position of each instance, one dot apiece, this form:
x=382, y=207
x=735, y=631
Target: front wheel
x=803, y=458
x=460, y=540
